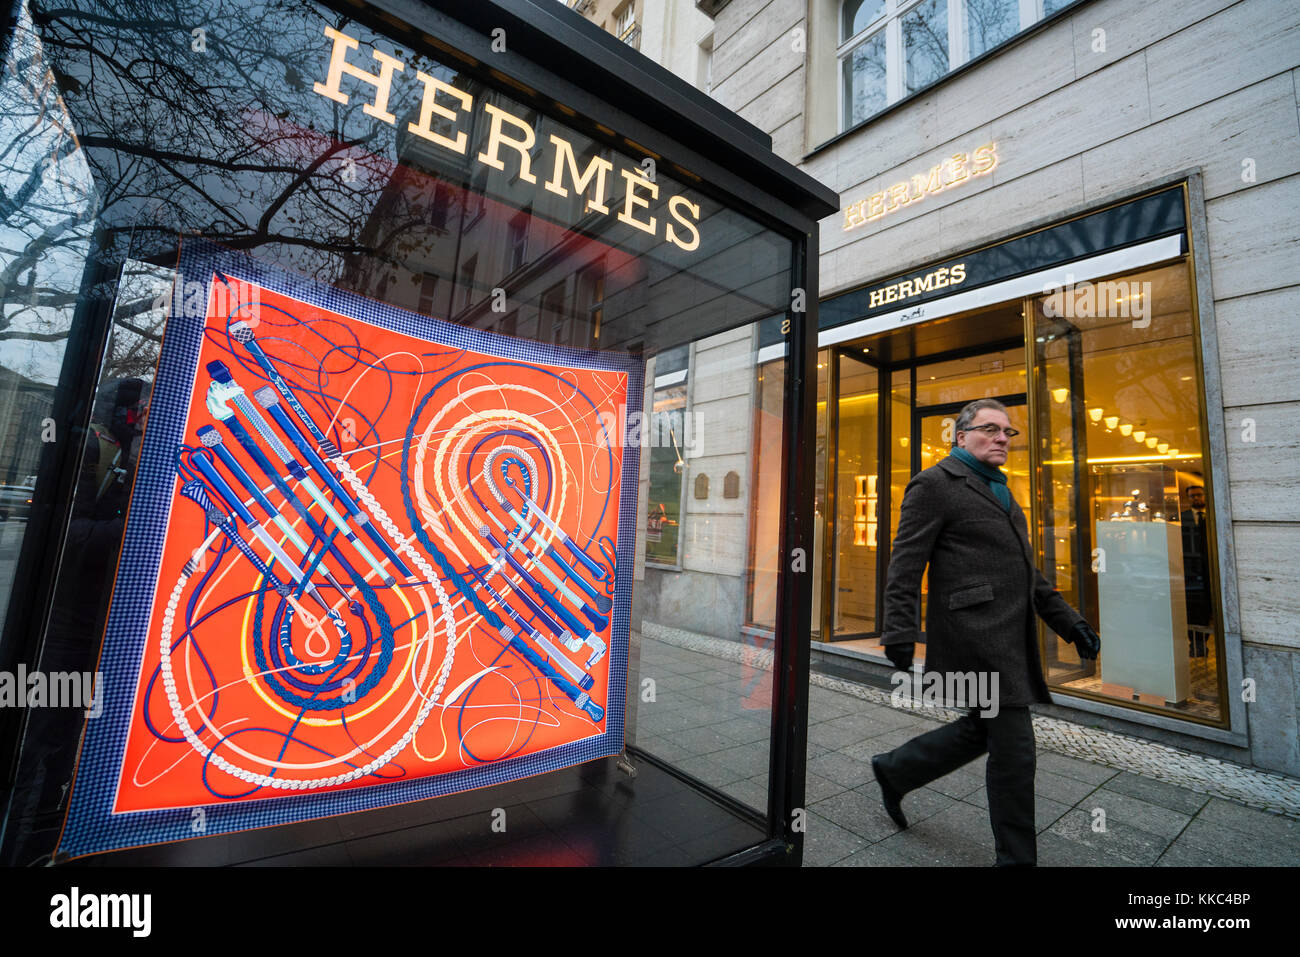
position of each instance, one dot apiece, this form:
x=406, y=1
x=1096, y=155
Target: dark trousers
x=1009, y=740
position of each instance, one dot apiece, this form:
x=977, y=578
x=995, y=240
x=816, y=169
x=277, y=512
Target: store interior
x=1116, y=496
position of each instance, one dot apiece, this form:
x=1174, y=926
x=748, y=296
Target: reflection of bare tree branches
x=220, y=136
x=989, y=22
x=927, y=50
x=869, y=93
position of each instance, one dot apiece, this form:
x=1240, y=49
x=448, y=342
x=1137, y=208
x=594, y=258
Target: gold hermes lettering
x=596, y=169
x=442, y=105
x=429, y=106
x=339, y=65
x=953, y=171
x=671, y=234
x=636, y=181
x=497, y=138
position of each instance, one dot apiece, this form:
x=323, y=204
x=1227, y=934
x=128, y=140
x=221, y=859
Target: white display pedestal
x=1143, y=615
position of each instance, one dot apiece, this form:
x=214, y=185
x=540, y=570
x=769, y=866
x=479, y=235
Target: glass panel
x=667, y=476
x=1051, y=6
x=1125, y=519
x=821, y=513
x=900, y=427
x=925, y=43
x=323, y=189
x=766, y=501
x=857, y=469
x=900, y=457
x=858, y=15
x=865, y=92
x=46, y=220
x=983, y=376
x=989, y=22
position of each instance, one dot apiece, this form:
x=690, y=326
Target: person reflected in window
x=1196, y=572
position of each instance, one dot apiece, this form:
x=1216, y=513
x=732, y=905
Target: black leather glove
x=1085, y=640
x=901, y=654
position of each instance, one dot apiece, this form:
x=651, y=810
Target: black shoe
x=891, y=798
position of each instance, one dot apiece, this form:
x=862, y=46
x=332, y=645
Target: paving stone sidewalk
x=1101, y=799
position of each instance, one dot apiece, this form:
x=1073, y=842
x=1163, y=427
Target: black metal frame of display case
x=556, y=61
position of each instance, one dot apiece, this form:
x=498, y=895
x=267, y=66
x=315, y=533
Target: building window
x=589, y=301
x=428, y=286
x=889, y=49
x=989, y=22
x=1125, y=516
x=551, y=324
x=518, y=240
x=440, y=207
x=666, y=426
x=475, y=203
x=625, y=24
x=467, y=279
x=925, y=44
x=864, y=73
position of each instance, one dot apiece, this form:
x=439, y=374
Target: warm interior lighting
x=1125, y=429
x=1059, y=395
x=1173, y=453
x=1112, y=421
x=1151, y=442
x=1118, y=459
x=1095, y=414
x=1162, y=448
x=1139, y=436
x=903, y=441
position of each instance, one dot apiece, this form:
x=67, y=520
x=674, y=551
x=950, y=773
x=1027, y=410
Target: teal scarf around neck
x=993, y=477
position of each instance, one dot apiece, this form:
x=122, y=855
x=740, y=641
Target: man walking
x=959, y=518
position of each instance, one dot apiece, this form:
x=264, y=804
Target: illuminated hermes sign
x=953, y=171
x=939, y=279
x=443, y=104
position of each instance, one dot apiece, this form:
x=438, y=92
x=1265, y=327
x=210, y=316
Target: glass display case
x=358, y=386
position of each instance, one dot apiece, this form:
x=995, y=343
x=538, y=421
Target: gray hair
x=966, y=417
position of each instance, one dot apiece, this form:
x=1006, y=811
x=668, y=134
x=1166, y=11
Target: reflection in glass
x=667, y=468
x=925, y=43
x=1117, y=370
x=989, y=22
x=48, y=205
x=858, y=15
x=235, y=146
x=864, y=80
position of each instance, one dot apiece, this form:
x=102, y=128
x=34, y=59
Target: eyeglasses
x=992, y=430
